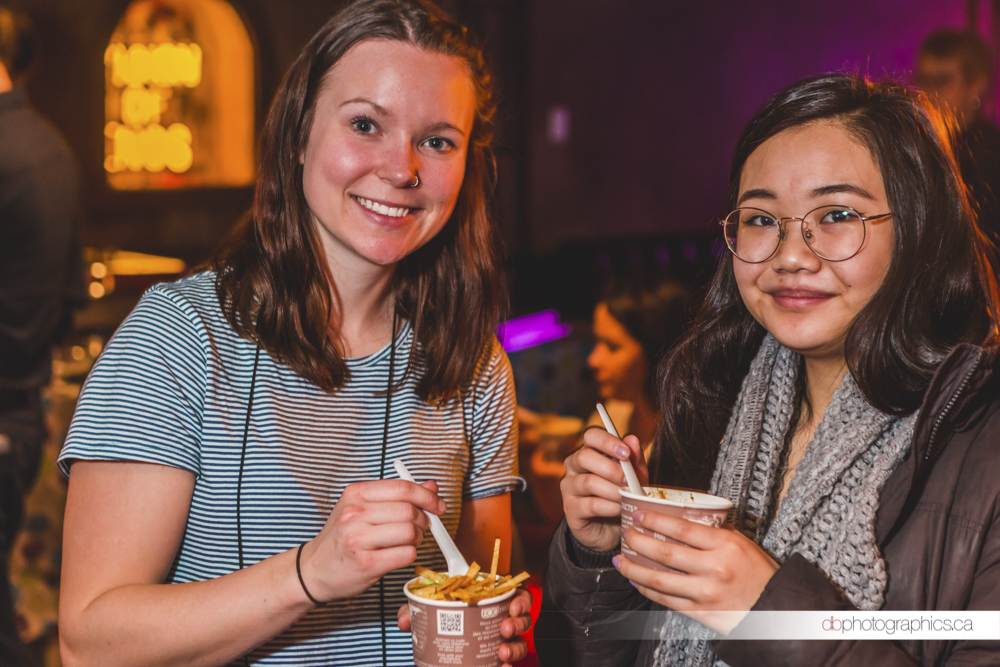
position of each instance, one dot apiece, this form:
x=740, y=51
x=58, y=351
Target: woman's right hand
x=374, y=528
x=590, y=487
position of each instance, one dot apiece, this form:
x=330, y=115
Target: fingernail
x=614, y=561
x=621, y=452
x=631, y=582
x=638, y=515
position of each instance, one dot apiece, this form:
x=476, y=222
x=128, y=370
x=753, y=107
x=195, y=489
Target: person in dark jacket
x=841, y=375
x=41, y=280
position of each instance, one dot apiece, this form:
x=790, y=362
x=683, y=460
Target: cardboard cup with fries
x=456, y=620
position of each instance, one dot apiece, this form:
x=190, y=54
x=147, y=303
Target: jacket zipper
x=951, y=404
x=922, y=470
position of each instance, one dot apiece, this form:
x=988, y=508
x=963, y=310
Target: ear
x=979, y=86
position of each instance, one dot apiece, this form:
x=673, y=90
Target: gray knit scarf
x=828, y=515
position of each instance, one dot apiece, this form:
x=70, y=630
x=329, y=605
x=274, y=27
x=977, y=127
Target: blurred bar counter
x=116, y=281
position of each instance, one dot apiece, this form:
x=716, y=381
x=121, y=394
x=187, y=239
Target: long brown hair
x=273, y=282
x=940, y=289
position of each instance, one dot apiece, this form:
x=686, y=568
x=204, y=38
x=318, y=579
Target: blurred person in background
x=637, y=319
x=636, y=322
x=40, y=280
x=958, y=68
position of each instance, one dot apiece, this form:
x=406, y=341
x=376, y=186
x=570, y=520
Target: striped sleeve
x=144, y=398
x=493, y=464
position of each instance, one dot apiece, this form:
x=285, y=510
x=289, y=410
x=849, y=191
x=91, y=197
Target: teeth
x=382, y=209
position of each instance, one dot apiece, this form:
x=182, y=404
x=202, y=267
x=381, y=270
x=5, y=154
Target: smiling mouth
x=800, y=294
x=798, y=299
x=382, y=209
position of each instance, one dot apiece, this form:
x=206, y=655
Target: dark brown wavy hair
x=940, y=289
x=273, y=282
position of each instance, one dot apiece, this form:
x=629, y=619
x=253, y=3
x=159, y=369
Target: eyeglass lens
x=833, y=232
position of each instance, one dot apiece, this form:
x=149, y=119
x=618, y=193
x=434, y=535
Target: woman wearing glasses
x=840, y=376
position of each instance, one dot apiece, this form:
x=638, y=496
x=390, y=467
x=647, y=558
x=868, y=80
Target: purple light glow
x=530, y=330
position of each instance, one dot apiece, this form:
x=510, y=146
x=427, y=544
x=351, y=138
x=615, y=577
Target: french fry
x=512, y=583
x=519, y=578
x=473, y=570
x=496, y=561
x=430, y=574
x=418, y=589
x=451, y=584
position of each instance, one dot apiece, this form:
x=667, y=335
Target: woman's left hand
x=514, y=647
x=721, y=570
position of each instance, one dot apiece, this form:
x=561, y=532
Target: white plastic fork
x=456, y=562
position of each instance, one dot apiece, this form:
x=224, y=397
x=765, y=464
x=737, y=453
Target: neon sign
x=165, y=65
x=141, y=142
x=179, y=97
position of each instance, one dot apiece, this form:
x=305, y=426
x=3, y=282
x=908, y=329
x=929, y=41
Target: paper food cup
x=446, y=633
x=691, y=505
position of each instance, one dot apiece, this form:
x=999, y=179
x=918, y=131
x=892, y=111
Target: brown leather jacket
x=938, y=526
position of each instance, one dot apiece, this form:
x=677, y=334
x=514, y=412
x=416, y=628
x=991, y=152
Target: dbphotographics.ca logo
x=795, y=625
x=874, y=625
x=890, y=626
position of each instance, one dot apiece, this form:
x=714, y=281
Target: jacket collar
x=953, y=392
x=954, y=398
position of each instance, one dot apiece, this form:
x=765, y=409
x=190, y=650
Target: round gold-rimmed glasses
x=834, y=233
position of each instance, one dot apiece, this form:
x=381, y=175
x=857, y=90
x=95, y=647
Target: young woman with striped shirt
x=227, y=502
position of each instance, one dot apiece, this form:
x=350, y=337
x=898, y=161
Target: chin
x=383, y=255
x=819, y=346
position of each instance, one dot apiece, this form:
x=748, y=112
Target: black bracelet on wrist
x=298, y=571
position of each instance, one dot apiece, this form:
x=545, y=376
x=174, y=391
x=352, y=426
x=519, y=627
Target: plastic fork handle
x=456, y=562
x=633, y=482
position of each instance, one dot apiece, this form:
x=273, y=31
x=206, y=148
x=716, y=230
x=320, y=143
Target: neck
x=363, y=305
x=824, y=376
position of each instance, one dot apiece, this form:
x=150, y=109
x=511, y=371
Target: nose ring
x=416, y=181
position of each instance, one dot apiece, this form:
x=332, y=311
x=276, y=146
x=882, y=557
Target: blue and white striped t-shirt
x=172, y=387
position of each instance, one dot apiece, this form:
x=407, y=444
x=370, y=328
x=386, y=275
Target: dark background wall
x=658, y=91
x=655, y=92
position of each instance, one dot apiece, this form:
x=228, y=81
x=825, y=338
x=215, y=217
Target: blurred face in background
x=618, y=360
x=943, y=79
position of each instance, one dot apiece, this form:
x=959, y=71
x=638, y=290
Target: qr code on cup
x=450, y=622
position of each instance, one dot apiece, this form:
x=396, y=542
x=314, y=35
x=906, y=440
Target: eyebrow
x=757, y=193
x=437, y=127
x=839, y=188
x=379, y=109
x=833, y=189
